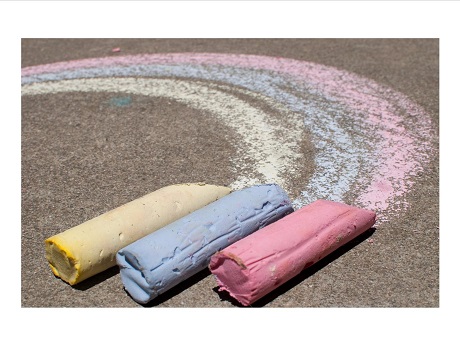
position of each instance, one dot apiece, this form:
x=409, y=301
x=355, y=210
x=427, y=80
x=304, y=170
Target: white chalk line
x=271, y=153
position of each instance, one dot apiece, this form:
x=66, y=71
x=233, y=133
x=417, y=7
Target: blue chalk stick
x=159, y=261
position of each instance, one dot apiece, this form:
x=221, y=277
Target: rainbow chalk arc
x=377, y=158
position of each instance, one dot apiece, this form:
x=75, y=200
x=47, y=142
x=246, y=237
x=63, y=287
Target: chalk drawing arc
x=379, y=154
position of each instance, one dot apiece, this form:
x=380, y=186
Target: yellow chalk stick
x=90, y=248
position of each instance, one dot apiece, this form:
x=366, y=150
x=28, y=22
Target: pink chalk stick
x=257, y=264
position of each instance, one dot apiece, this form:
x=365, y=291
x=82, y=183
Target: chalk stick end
x=234, y=276
x=61, y=261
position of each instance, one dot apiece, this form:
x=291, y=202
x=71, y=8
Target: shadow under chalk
x=109, y=273
x=97, y=279
x=225, y=296
x=179, y=288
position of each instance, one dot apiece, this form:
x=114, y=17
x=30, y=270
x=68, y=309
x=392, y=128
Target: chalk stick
x=160, y=261
x=90, y=248
x=256, y=265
